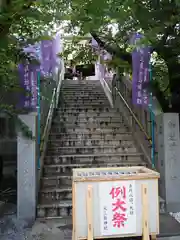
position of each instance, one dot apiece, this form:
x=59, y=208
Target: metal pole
x=152, y=121
x=39, y=119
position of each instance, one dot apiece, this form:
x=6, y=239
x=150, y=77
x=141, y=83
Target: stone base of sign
x=27, y=171
x=169, y=160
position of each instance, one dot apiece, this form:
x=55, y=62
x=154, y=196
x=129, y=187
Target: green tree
x=111, y=23
x=157, y=20
x=22, y=22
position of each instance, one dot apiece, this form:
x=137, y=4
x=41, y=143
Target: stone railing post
x=27, y=170
x=169, y=160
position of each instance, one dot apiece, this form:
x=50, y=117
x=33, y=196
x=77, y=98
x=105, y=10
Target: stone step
x=62, y=125
x=92, y=90
x=84, y=102
x=54, y=189
x=81, y=82
x=54, y=151
x=86, y=136
x=54, y=208
x=66, y=169
x=82, y=89
x=63, y=192
x=87, y=109
x=97, y=158
x=56, y=180
x=56, y=193
x=86, y=133
x=80, y=102
x=90, y=142
x=89, y=84
x=87, y=104
x=97, y=85
x=64, y=217
x=96, y=119
x=76, y=83
x=80, y=130
x=82, y=94
x=83, y=114
x=88, y=113
x=81, y=98
x=85, y=93
x=73, y=91
x=76, y=105
x=82, y=86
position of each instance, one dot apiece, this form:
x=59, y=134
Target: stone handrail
x=137, y=118
x=47, y=127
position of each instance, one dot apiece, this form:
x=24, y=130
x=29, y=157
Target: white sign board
x=117, y=208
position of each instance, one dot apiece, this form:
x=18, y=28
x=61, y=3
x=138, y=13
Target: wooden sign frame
x=149, y=174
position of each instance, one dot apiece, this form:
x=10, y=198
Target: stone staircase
x=86, y=132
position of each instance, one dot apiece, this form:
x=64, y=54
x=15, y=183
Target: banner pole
x=152, y=120
x=39, y=120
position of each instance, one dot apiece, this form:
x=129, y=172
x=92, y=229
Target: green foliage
x=22, y=22
x=113, y=20
x=80, y=51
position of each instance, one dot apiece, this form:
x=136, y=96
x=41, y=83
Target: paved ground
x=12, y=229
x=169, y=226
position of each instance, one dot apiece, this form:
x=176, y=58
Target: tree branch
x=114, y=51
x=4, y=27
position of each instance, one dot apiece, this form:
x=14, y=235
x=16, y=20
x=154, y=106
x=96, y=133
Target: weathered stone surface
x=86, y=132
x=61, y=229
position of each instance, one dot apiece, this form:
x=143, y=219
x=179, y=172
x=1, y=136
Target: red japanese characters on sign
x=119, y=206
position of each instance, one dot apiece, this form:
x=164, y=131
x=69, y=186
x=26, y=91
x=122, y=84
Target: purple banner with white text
x=140, y=75
x=47, y=56
x=28, y=75
x=46, y=52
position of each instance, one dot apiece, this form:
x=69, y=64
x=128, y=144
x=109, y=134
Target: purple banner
x=46, y=52
x=140, y=75
x=102, y=70
x=33, y=51
x=107, y=56
x=94, y=44
x=46, y=56
x=28, y=75
x=56, y=49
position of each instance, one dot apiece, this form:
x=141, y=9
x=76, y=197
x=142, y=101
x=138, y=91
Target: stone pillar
x=27, y=171
x=169, y=160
